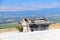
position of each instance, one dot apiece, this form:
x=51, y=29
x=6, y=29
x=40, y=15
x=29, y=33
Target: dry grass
x=7, y=30
x=54, y=26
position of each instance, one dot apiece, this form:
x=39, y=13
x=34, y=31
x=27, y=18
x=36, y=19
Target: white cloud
x=29, y=6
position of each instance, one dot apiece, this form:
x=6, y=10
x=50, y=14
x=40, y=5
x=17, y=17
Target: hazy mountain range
x=53, y=14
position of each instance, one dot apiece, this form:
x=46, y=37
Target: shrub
x=20, y=28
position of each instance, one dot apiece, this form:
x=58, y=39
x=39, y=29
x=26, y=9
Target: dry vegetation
x=7, y=30
x=52, y=26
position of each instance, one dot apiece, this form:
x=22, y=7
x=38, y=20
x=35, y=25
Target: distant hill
x=53, y=14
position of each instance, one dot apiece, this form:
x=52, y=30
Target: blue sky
x=21, y=5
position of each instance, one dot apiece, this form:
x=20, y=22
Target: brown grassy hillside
x=53, y=26
x=7, y=30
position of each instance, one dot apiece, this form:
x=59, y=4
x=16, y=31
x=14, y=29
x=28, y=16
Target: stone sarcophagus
x=34, y=24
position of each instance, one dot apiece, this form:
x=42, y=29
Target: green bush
x=20, y=28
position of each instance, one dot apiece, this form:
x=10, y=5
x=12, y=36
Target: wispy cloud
x=29, y=6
